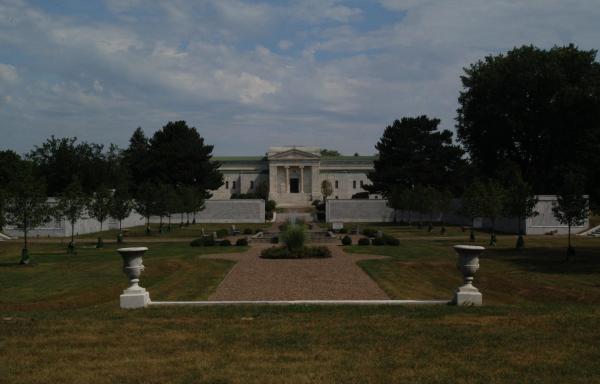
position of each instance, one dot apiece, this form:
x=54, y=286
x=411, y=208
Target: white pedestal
x=468, y=295
x=136, y=297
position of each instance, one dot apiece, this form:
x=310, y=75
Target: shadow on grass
x=550, y=260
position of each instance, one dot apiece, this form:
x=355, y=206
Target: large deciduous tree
x=62, y=160
x=10, y=162
x=121, y=205
x=539, y=109
x=412, y=151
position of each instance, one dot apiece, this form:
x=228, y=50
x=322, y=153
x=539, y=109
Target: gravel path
x=335, y=278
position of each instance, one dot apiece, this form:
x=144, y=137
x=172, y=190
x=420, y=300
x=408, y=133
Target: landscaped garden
x=61, y=321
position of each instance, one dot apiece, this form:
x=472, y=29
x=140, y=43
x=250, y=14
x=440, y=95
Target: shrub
x=221, y=233
x=274, y=239
x=369, y=232
x=257, y=230
x=343, y=230
x=294, y=237
x=321, y=216
x=241, y=242
x=225, y=243
x=390, y=240
x=285, y=253
x=316, y=252
x=197, y=242
x=203, y=242
x=346, y=240
x=209, y=242
x=361, y=195
x=248, y=231
x=378, y=241
x=364, y=241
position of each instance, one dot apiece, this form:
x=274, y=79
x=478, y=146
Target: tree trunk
x=493, y=234
x=472, y=235
x=520, y=239
x=570, y=250
x=25, y=250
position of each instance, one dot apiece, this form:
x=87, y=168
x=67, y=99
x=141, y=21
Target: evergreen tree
x=326, y=189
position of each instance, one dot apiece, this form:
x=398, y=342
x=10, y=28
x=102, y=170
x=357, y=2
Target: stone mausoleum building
x=294, y=175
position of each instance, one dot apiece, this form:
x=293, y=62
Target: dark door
x=294, y=186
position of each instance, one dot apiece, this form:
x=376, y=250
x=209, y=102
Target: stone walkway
x=335, y=278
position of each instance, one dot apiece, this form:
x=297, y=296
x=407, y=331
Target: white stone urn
x=468, y=264
x=134, y=296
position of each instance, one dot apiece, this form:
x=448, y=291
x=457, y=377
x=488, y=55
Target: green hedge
x=316, y=252
x=203, y=242
x=346, y=240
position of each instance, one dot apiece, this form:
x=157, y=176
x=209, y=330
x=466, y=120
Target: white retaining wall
x=373, y=211
x=215, y=211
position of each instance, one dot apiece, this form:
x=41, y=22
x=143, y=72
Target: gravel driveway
x=335, y=278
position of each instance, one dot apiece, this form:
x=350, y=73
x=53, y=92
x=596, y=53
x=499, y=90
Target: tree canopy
x=413, y=152
x=539, y=109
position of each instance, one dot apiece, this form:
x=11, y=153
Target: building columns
x=287, y=179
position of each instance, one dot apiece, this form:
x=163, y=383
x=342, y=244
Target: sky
x=254, y=74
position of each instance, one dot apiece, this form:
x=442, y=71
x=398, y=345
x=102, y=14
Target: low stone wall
x=358, y=211
x=225, y=211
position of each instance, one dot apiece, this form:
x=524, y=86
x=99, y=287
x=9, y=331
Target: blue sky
x=251, y=74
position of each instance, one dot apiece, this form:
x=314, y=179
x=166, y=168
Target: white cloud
x=8, y=74
x=284, y=44
x=249, y=88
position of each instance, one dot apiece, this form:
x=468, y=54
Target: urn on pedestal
x=468, y=264
x=134, y=296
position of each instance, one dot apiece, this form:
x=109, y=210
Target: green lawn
x=60, y=321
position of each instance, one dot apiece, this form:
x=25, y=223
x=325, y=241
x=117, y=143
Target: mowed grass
x=61, y=322
x=426, y=269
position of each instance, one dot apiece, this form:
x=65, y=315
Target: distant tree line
x=171, y=172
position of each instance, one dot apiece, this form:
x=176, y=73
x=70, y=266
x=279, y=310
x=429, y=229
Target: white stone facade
x=294, y=175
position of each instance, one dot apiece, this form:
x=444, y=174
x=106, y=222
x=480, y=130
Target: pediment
x=294, y=154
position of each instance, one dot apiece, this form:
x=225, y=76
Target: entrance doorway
x=294, y=186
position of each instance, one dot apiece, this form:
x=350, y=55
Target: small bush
x=369, y=232
x=197, y=242
x=364, y=241
x=378, y=241
x=241, y=242
x=209, y=242
x=203, y=242
x=316, y=252
x=346, y=240
x=225, y=243
x=390, y=240
x=248, y=231
x=221, y=233
x=343, y=230
x=274, y=239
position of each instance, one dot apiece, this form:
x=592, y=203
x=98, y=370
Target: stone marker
x=468, y=264
x=134, y=296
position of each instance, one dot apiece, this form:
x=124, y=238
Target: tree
x=519, y=200
x=571, y=206
x=99, y=208
x=27, y=205
x=121, y=206
x=145, y=202
x=10, y=162
x=175, y=145
x=413, y=152
x=492, y=204
x=326, y=189
x=136, y=159
x=538, y=109
x=330, y=153
x=262, y=190
x=397, y=200
x=62, y=160
x=71, y=207
x=443, y=204
x=472, y=204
